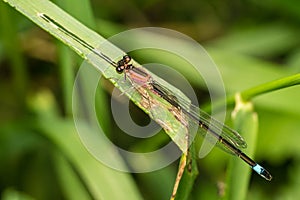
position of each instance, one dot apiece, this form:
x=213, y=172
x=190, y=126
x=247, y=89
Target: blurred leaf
x=263, y=40
x=102, y=181
x=293, y=61
x=244, y=72
x=13, y=51
x=289, y=8
x=291, y=190
x=71, y=185
x=26, y=160
x=280, y=129
x=11, y=194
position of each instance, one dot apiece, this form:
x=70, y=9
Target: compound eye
x=120, y=69
x=127, y=58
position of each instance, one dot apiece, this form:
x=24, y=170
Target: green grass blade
x=246, y=122
x=71, y=186
x=32, y=9
x=189, y=176
x=102, y=181
x=37, y=10
x=66, y=59
x=12, y=45
x=66, y=74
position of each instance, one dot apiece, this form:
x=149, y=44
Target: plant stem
x=249, y=94
x=271, y=86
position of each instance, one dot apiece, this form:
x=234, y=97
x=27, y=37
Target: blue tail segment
x=262, y=172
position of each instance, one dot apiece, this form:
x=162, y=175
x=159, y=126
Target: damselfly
x=227, y=138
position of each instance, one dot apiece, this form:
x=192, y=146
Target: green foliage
x=254, y=43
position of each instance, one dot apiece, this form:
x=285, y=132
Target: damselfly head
x=123, y=64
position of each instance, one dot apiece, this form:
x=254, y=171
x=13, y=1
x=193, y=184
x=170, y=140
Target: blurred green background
x=252, y=42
